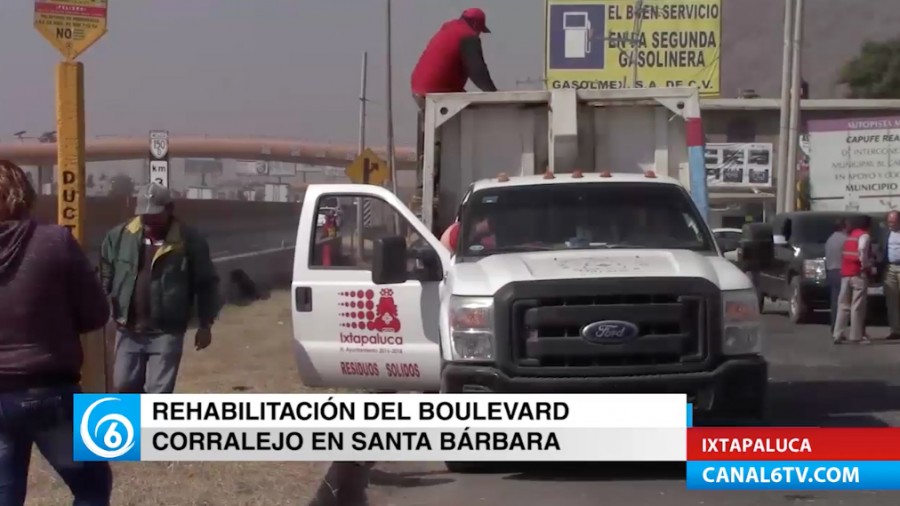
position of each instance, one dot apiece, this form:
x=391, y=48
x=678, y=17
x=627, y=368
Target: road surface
x=813, y=383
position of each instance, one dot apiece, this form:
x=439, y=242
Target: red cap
x=476, y=17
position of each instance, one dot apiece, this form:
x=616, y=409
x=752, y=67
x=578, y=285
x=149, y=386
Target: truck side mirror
x=389, y=261
x=757, y=250
x=428, y=265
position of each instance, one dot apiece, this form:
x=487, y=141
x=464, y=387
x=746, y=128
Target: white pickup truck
x=598, y=275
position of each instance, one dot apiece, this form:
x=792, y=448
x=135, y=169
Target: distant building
x=834, y=32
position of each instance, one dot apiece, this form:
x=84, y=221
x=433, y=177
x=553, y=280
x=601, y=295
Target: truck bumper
x=816, y=293
x=737, y=387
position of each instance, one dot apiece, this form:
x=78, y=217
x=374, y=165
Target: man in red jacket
x=452, y=57
x=856, y=262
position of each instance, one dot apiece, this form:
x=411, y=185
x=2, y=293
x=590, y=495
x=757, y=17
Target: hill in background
x=834, y=31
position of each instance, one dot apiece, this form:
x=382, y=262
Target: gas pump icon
x=577, y=28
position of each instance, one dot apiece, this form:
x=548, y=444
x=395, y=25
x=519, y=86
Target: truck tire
x=760, y=296
x=751, y=415
x=755, y=413
x=798, y=310
x=467, y=467
x=744, y=409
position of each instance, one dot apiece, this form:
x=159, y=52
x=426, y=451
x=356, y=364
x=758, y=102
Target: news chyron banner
x=361, y=427
x=590, y=44
x=797, y=458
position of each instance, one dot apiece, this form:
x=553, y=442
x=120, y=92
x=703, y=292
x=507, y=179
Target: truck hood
x=489, y=274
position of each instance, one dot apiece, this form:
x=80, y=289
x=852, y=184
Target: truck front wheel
x=744, y=404
x=467, y=467
x=798, y=312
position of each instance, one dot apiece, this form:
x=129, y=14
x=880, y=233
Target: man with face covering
x=156, y=271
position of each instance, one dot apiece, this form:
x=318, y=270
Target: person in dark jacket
x=49, y=296
x=890, y=269
x=156, y=270
x=453, y=56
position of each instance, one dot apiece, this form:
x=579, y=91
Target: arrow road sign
x=368, y=168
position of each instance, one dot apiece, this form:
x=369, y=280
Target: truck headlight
x=814, y=269
x=741, y=323
x=472, y=328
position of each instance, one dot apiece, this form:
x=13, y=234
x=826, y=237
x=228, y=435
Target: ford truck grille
x=675, y=322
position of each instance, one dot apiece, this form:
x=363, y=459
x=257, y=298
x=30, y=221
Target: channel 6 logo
x=107, y=427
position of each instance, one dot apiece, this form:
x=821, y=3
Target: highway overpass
x=244, y=148
x=256, y=237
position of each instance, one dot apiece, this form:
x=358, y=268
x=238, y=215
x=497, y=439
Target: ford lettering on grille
x=609, y=332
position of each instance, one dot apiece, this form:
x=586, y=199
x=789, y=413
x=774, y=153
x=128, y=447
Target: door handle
x=303, y=299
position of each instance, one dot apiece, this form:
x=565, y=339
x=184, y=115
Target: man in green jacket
x=156, y=271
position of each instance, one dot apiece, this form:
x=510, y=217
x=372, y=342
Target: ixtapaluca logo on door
x=369, y=321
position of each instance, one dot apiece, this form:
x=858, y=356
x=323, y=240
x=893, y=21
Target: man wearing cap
x=452, y=57
x=156, y=271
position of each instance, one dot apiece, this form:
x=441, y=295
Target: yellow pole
x=70, y=147
x=70, y=196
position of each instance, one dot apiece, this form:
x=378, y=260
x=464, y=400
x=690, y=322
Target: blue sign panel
x=576, y=36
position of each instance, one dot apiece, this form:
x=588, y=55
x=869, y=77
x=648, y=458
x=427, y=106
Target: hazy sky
x=285, y=68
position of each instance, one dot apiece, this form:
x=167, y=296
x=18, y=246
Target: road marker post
x=72, y=26
x=159, y=157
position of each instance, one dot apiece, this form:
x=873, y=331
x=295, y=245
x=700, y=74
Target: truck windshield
x=581, y=216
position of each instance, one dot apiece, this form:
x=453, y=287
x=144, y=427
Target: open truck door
x=366, y=312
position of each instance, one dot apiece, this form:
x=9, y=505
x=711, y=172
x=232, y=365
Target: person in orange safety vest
x=856, y=262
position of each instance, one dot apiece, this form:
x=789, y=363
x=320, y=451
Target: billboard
x=854, y=164
x=738, y=165
x=589, y=44
x=265, y=168
x=202, y=166
x=250, y=167
x=282, y=169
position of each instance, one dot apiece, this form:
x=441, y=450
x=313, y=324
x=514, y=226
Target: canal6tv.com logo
x=106, y=427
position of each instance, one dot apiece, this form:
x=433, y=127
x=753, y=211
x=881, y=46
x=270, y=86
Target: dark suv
x=797, y=273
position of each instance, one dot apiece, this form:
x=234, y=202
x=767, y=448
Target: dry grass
x=251, y=352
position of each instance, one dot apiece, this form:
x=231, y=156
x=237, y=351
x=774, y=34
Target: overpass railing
x=232, y=227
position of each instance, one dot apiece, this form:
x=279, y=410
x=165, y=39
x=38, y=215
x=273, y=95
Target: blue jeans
x=833, y=279
x=43, y=417
x=147, y=363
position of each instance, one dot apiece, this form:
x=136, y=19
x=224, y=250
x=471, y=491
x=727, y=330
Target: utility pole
x=790, y=189
x=363, y=74
x=389, y=102
x=781, y=169
x=363, y=78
